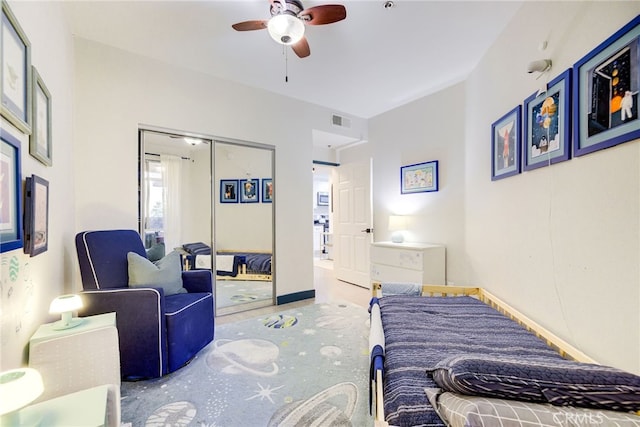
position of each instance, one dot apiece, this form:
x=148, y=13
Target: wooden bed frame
x=565, y=349
x=242, y=273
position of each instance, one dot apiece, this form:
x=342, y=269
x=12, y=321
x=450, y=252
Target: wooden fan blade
x=301, y=48
x=325, y=14
x=250, y=25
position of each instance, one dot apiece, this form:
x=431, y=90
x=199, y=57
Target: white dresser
x=422, y=263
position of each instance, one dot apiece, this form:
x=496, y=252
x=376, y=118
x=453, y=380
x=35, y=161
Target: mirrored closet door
x=244, y=226
x=213, y=202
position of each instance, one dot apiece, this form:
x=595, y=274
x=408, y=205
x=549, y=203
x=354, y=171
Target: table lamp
x=397, y=223
x=66, y=305
x=18, y=388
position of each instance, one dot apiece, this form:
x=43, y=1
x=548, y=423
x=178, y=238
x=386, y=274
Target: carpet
x=300, y=367
x=235, y=292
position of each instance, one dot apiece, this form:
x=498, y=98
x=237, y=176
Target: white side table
x=78, y=358
x=87, y=408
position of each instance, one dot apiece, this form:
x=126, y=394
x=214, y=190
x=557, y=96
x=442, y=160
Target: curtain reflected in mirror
x=179, y=203
x=175, y=192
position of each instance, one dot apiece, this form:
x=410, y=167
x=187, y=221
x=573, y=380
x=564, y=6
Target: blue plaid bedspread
x=421, y=331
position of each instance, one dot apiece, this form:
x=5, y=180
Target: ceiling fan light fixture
x=286, y=29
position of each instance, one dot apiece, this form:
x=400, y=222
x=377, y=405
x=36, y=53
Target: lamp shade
x=397, y=223
x=63, y=303
x=286, y=29
x=18, y=388
x=66, y=305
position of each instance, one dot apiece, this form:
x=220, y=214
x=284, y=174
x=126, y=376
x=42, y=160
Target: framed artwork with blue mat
x=605, y=92
x=547, y=124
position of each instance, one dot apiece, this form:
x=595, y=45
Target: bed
x=429, y=356
x=230, y=265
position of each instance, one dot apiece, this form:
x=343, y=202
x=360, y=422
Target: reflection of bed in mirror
x=230, y=264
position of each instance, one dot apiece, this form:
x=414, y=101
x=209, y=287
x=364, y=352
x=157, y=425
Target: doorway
x=322, y=215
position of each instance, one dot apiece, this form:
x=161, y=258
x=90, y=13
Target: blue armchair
x=158, y=333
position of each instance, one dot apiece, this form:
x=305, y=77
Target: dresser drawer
x=408, y=262
x=401, y=258
x=387, y=273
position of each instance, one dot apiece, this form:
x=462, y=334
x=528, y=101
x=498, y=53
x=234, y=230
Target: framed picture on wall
x=40, y=140
x=547, y=128
x=228, y=191
x=36, y=215
x=10, y=193
x=322, y=198
x=249, y=190
x=605, y=92
x=267, y=190
x=15, y=61
x=419, y=178
x=505, y=145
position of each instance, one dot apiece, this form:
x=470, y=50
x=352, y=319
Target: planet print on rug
x=173, y=414
x=317, y=411
x=280, y=321
x=251, y=356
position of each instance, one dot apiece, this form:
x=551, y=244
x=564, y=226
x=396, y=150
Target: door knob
x=367, y=230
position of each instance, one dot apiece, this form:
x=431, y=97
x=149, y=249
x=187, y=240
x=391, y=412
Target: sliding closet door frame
x=212, y=140
x=272, y=150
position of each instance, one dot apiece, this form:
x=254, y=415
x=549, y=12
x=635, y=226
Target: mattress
x=421, y=331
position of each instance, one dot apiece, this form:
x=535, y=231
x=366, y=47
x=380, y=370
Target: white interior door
x=352, y=222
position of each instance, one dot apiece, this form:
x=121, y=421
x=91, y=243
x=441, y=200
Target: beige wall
x=431, y=128
x=29, y=284
x=561, y=243
x=243, y=226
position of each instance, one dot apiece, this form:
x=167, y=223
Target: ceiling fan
x=288, y=20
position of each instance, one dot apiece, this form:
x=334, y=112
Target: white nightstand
x=78, y=358
x=86, y=408
x=422, y=263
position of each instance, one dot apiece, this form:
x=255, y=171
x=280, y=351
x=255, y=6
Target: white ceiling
x=375, y=60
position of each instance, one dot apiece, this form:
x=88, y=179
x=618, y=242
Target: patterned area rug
x=300, y=367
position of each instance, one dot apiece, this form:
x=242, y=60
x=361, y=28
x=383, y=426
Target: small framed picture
x=547, y=128
x=36, y=215
x=15, y=62
x=40, y=140
x=322, y=198
x=505, y=145
x=10, y=193
x=267, y=190
x=419, y=178
x=228, y=191
x=249, y=190
x=605, y=92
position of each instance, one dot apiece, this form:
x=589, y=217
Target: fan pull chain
x=286, y=63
